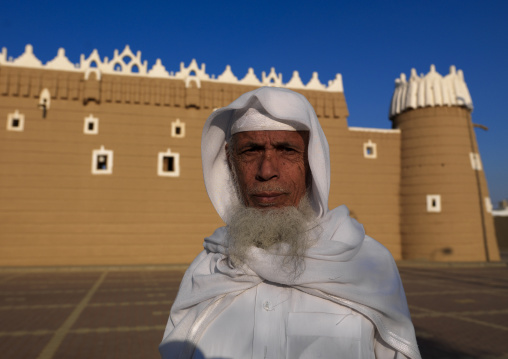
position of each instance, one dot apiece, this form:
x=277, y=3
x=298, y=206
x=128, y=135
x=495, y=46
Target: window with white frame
x=91, y=125
x=178, y=129
x=15, y=121
x=102, y=161
x=434, y=203
x=168, y=164
x=476, y=162
x=369, y=149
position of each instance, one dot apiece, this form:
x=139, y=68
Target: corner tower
x=445, y=205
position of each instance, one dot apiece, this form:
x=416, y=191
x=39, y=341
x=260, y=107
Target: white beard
x=284, y=231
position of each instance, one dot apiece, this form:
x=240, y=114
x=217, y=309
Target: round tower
x=445, y=205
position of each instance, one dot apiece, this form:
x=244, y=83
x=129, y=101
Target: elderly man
x=286, y=277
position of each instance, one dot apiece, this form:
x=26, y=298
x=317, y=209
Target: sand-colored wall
x=54, y=211
x=436, y=144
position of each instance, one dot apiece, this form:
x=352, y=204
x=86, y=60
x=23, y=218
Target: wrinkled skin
x=271, y=167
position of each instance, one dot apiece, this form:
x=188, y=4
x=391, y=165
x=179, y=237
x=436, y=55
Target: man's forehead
x=276, y=136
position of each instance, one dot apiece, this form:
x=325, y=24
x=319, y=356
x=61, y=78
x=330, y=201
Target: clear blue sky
x=369, y=43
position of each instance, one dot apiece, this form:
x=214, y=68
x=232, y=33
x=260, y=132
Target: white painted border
x=373, y=145
x=378, y=130
x=95, y=121
x=45, y=95
x=437, y=198
x=102, y=152
x=500, y=212
x=20, y=117
x=160, y=164
x=476, y=162
x=174, y=125
x=488, y=205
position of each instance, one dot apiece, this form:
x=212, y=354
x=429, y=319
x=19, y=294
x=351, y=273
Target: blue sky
x=369, y=42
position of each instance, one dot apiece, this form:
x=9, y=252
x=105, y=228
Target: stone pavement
x=122, y=312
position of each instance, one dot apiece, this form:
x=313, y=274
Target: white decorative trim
x=194, y=79
x=162, y=169
x=94, y=121
x=27, y=59
x=105, y=157
x=45, y=99
x=488, y=204
x=379, y=130
x=336, y=85
x=295, y=82
x=272, y=79
x=11, y=119
x=500, y=212
x=174, y=129
x=228, y=76
x=125, y=61
x=158, y=70
x=476, y=162
x=250, y=78
x=97, y=73
x=434, y=203
x=61, y=62
x=369, y=149
x=315, y=84
x=430, y=90
x=192, y=70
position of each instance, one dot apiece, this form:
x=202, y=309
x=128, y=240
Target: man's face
x=271, y=167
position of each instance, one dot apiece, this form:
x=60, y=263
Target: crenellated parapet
x=130, y=64
x=430, y=90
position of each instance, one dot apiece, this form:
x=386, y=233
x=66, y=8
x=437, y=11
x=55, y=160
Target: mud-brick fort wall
x=100, y=162
x=441, y=164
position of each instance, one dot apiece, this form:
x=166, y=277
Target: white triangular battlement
x=130, y=64
x=430, y=90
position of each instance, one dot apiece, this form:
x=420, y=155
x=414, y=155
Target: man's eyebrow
x=251, y=144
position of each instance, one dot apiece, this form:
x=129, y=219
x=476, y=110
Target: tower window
x=168, y=164
x=178, y=129
x=370, y=150
x=102, y=161
x=434, y=203
x=91, y=125
x=15, y=121
x=476, y=162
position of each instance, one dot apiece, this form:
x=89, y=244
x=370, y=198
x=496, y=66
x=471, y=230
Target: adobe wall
x=54, y=211
x=435, y=160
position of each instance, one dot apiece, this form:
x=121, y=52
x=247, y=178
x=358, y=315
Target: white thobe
x=271, y=321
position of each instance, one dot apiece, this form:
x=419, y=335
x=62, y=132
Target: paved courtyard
x=122, y=312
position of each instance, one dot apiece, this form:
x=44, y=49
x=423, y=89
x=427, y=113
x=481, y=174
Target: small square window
x=91, y=125
x=434, y=203
x=15, y=121
x=168, y=164
x=370, y=150
x=177, y=129
x=102, y=161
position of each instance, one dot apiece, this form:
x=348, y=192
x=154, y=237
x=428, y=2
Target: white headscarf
x=282, y=105
x=344, y=266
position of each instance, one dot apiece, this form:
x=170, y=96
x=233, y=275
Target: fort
x=100, y=162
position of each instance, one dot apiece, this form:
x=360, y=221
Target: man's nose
x=268, y=167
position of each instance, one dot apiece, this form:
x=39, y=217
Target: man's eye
x=249, y=150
